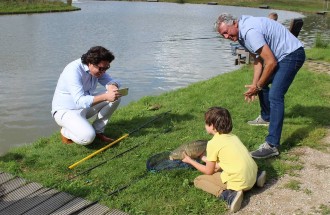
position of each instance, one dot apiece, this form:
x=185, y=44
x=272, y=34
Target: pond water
x=158, y=47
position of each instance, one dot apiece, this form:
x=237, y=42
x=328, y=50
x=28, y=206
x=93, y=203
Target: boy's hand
x=201, y=156
x=217, y=168
x=204, y=159
x=186, y=158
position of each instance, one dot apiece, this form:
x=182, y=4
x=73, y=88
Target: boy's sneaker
x=258, y=121
x=233, y=198
x=264, y=151
x=261, y=178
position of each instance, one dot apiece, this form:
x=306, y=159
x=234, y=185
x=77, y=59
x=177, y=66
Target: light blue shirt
x=75, y=87
x=255, y=32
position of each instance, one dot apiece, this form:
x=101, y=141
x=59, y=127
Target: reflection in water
x=158, y=47
x=315, y=24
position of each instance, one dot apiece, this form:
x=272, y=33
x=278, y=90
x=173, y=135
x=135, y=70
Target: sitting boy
x=229, y=168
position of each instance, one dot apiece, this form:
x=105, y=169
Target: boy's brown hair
x=220, y=119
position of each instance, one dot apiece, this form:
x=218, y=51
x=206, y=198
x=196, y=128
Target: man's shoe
x=104, y=138
x=233, y=198
x=261, y=178
x=264, y=151
x=66, y=140
x=258, y=122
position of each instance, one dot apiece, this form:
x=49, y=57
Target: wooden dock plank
x=18, y=197
x=29, y=202
x=11, y=185
x=95, y=209
x=5, y=177
x=18, y=194
x=72, y=206
x=264, y=7
x=51, y=204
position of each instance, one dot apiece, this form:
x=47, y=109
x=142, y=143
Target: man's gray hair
x=225, y=18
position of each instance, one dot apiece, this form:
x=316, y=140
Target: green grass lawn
x=170, y=192
x=309, y=6
x=17, y=7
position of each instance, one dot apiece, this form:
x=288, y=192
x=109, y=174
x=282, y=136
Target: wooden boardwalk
x=17, y=196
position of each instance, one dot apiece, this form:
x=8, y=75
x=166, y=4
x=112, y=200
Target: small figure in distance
x=273, y=15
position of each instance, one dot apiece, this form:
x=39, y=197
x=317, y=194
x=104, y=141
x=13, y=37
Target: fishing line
x=129, y=184
x=90, y=169
x=104, y=162
x=183, y=39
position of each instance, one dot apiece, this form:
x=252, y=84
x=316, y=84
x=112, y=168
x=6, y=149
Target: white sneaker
x=258, y=122
x=261, y=178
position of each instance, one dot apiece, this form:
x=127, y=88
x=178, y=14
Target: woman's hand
x=112, y=93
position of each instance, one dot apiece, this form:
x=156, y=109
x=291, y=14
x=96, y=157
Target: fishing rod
x=103, y=162
x=97, y=165
x=114, y=142
x=183, y=39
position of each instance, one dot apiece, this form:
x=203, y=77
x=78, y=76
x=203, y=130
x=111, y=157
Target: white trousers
x=75, y=124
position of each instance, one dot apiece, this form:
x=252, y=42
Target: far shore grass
x=171, y=192
x=308, y=6
x=34, y=6
x=41, y=6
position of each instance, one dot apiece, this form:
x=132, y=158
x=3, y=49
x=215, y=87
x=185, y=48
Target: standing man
x=259, y=121
x=74, y=100
x=282, y=55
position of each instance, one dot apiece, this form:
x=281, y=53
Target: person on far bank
x=273, y=15
x=75, y=100
x=282, y=55
x=229, y=170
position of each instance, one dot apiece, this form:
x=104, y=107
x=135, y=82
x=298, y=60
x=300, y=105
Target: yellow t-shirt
x=239, y=170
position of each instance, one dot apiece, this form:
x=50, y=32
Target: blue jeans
x=271, y=99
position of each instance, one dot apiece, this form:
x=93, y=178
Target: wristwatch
x=113, y=83
x=258, y=87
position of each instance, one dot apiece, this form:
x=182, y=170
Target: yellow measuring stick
x=114, y=142
x=98, y=151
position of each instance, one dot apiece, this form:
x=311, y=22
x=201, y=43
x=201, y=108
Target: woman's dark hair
x=97, y=54
x=220, y=119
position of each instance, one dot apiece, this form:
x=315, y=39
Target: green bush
x=180, y=1
x=320, y=42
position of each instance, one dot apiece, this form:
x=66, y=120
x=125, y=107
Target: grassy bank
x=170, y=192
x=310, y=6
x=36, y=6
x=321, y=50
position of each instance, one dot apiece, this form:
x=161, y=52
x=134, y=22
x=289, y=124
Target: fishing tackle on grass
x=114, y=142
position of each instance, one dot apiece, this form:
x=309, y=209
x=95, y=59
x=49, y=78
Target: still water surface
x=158, y=47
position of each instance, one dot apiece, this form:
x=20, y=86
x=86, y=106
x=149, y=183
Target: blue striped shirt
x=255, y=32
